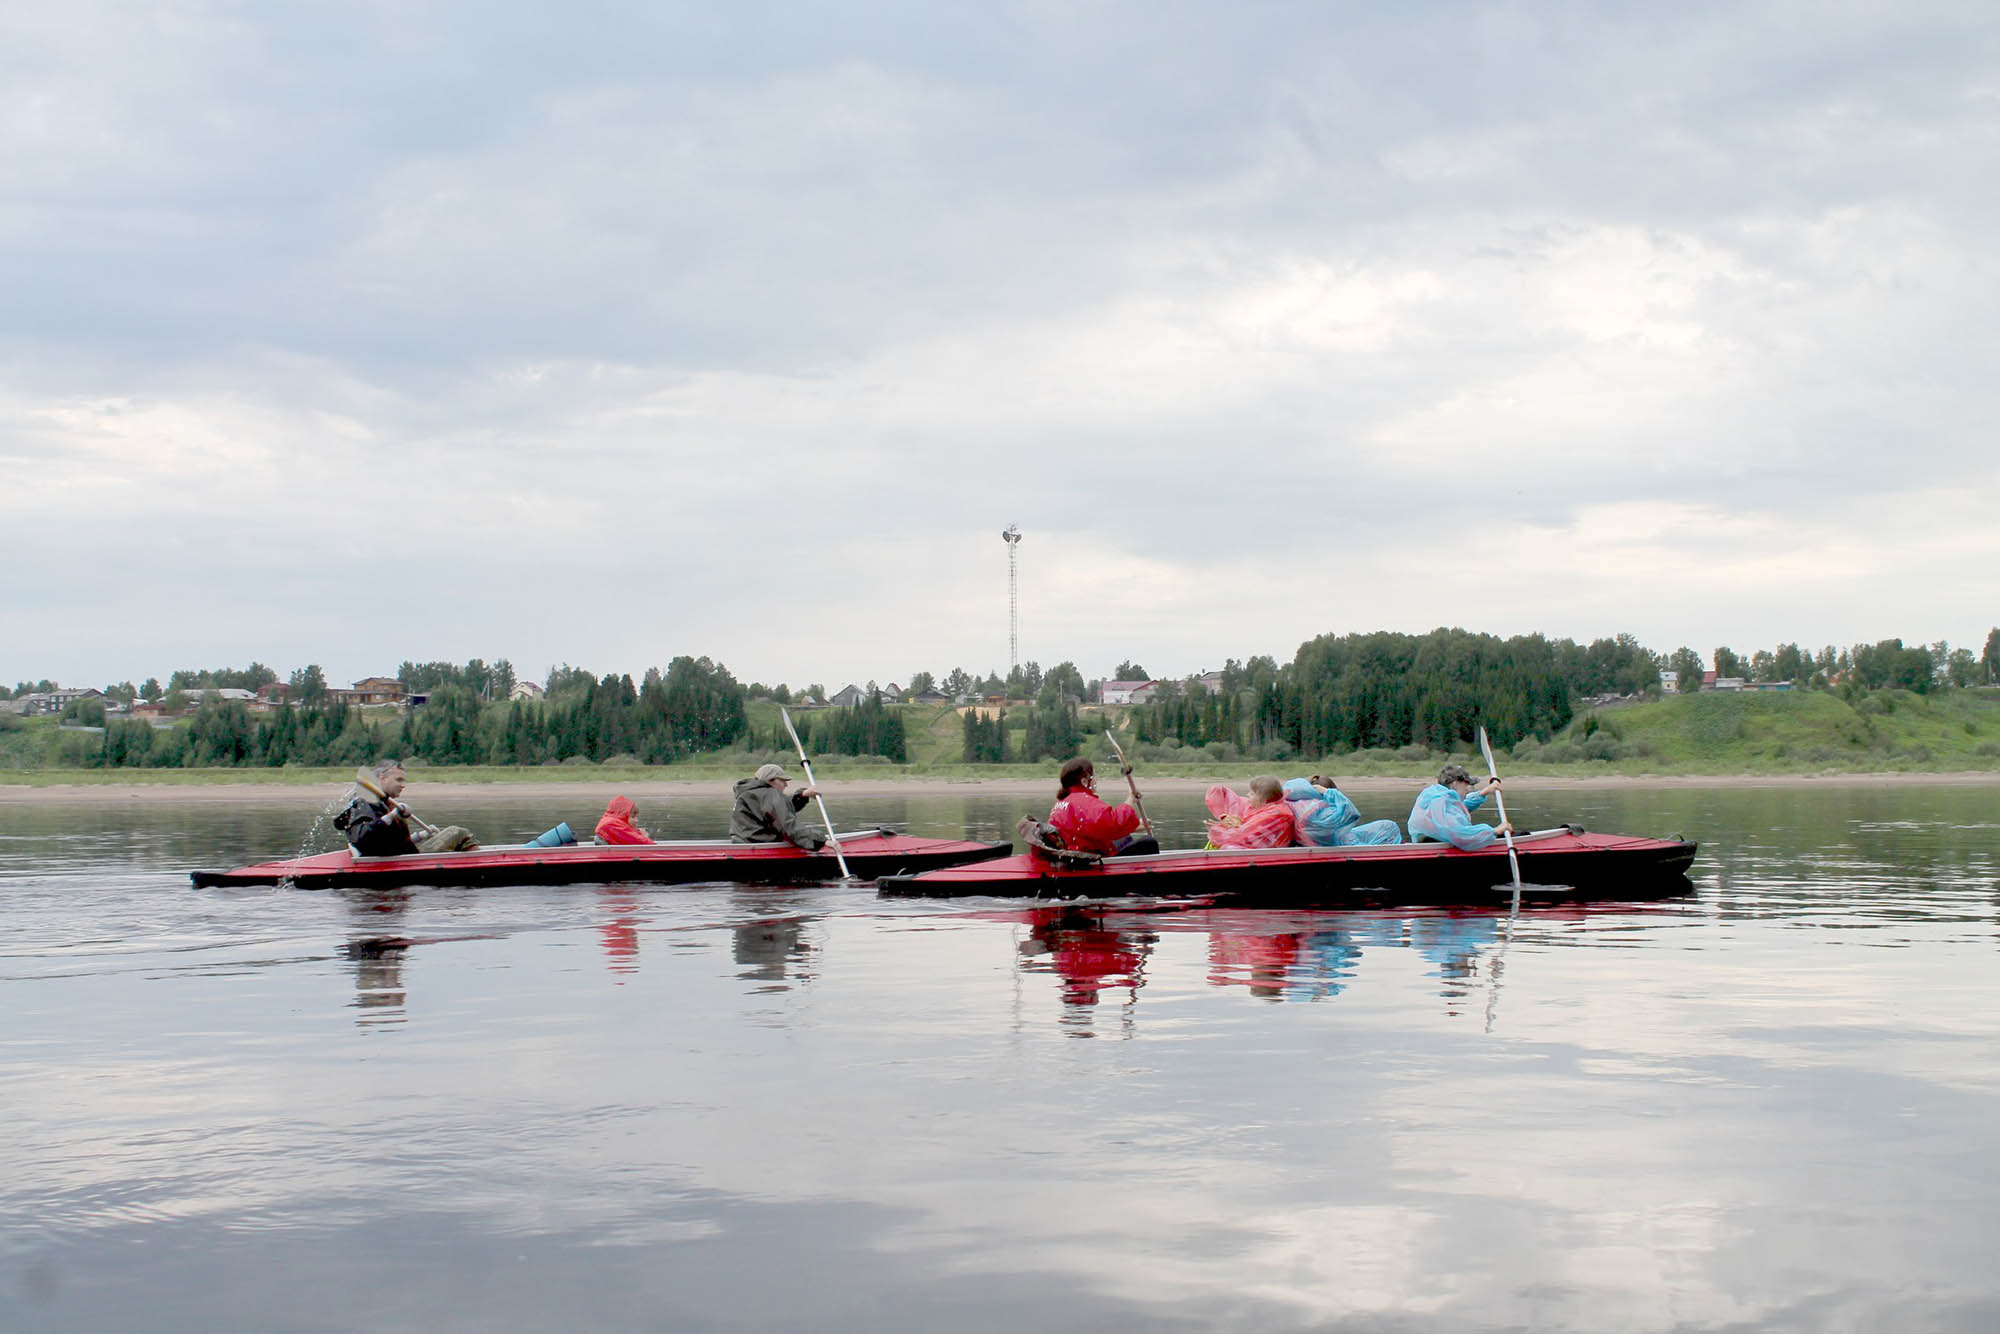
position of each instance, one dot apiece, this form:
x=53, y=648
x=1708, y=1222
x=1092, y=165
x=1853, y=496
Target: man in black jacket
x=766, y=814
x=377, y=825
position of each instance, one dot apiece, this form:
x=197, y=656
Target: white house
x=1123, y=692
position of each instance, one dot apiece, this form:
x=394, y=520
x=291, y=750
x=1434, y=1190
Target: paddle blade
x=791, y=731
x=1486, y=749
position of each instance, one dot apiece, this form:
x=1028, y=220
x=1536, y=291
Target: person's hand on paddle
x=807, y=793
x=1486, y=785
x=1504, y=828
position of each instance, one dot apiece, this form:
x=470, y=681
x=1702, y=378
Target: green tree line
x=1339, y=693
x=1386, y=690
x=692, y=707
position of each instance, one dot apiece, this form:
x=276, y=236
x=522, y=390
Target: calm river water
x=1771, y=1105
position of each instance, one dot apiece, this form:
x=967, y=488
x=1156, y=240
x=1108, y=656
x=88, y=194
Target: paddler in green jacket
x=765, y=813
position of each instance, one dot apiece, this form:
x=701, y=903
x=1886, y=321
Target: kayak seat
x=1045, y=843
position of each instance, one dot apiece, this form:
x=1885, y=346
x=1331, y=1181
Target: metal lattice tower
x=1012, y=537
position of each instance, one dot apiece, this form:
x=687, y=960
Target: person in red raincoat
x=617, y=826
x=1087, y=824
x=1263, y=821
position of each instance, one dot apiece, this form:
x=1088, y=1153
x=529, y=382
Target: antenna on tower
x=1011, y=535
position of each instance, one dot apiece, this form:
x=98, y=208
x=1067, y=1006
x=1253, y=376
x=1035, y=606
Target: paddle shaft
x=806, y=764
x=394, y=804
x=1513, y=909
x=1500, y=800
x=1131, y=783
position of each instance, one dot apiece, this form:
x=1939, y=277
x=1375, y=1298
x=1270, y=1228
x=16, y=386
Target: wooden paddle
x=806, y=764
x=1486, y=749
x=1130, y=782
x=368, y=785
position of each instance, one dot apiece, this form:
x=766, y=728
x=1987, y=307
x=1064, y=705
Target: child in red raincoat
x=617, y=826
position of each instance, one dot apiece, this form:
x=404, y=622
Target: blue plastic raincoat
x=1445, y=817
x=1326, y=818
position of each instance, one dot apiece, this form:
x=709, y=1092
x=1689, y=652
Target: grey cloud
x=468, y=184
x=1177, y=282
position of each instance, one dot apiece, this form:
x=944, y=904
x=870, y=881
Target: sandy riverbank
x=423, y=788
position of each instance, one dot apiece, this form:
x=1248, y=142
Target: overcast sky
x=600, y=333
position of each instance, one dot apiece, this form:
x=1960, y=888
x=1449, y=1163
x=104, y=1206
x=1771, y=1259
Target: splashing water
x=309, y=846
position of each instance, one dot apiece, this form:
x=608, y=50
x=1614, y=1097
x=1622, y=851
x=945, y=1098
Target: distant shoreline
x=423, y=788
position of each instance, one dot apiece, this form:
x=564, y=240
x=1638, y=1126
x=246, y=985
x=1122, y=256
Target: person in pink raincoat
x=1263, y=820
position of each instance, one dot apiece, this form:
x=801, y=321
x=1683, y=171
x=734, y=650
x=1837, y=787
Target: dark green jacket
x=765, y=815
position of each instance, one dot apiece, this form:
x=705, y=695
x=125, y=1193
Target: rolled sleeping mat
x=558, y=837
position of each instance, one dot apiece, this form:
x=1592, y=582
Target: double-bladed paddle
x=1507, y=935
x=1486, y=749
x=806, y=764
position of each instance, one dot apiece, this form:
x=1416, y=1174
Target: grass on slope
x=1801, y=732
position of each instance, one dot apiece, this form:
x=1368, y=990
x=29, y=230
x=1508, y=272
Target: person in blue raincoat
x=1324, y=817
x=1443, y=813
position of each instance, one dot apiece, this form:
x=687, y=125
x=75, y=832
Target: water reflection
x=774, y=943
x=772, y=950
x=619, y=931
x=1100, y=952
x=1088, y=959
x=379, y=992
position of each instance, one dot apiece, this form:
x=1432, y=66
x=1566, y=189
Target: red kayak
x=1567, y=865
x=870, y=855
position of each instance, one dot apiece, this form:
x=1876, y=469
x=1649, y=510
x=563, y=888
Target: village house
x=525, y=692
x=371, y=690
x=53, y=701
x=1123, y=692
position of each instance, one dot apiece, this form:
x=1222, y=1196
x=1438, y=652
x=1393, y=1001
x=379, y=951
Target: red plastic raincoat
x=617, y=826
x=1088, y=825
x=1266, y=826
